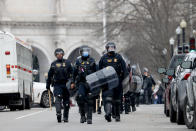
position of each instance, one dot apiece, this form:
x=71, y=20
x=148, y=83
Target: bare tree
x=2, y=7
x=147, y=26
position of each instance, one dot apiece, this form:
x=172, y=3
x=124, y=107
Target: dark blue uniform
x=148, y=82
x=83, y=67
x=116, y=61
x=59, y=74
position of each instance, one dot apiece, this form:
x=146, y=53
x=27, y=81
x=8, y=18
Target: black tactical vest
x=114, y=61
x=86, y=66
x=61, y=74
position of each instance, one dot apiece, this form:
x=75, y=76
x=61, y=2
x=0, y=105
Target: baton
x=100, y=98
x=97, y=105
x=50, y=103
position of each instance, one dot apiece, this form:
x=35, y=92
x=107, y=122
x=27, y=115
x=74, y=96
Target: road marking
x=31, y=114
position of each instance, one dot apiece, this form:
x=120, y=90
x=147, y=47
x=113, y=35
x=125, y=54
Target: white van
x=15, y=72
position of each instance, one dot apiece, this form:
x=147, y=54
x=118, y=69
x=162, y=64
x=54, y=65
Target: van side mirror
x=165, y=80
x=170, y=72
x=161, y=70
x=186, y=65
x=35, y=72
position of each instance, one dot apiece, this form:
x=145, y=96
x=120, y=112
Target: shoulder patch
x=58, y=65
x=109, y=60
x=64, y=64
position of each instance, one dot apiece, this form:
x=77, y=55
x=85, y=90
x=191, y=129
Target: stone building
x=49, y=24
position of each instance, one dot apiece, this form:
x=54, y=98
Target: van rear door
x=1, y=60
x=7, y=57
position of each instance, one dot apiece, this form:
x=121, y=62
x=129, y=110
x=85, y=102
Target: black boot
x=126, y=112
x=129, y=109
x=113, y=112
x=99, y=110
x=133, y=109
x=126, y=109
x=117, y=118
x=65, y=119
x=108, y=118
x=113, y=116
x=89, y=114
x=59, y=118
x=89, y=121
x=82, y=119
x=66, y=111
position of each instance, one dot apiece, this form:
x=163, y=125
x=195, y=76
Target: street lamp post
x=178, y=32
x=183, y=25
x=171, y=42
x=104, y=22
x=194, y=33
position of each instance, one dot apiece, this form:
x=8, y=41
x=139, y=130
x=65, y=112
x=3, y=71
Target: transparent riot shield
x=126, y=84
x=105, y=77
x=136, y=79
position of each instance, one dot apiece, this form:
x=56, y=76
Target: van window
x=176, y=60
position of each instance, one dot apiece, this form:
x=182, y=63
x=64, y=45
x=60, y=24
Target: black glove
x=48, y=87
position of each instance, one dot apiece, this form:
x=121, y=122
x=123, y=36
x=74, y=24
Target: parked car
x=178, y=94
x=2, y=108
x=41, y=95
x=189, y=102
x=175, y=61
x=193, y=79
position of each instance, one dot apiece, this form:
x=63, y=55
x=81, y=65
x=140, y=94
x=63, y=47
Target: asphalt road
x=146, y=118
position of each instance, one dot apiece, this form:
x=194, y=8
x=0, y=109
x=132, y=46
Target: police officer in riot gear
x=59, y=73
x=133, y=94
x=127, y=95
x=112, y=98
x=84, y=66
x=127, y=101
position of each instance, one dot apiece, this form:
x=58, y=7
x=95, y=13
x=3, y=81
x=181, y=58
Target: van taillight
x=8, y=69
x=170, y=77
x=7, y=53
x=187, y=76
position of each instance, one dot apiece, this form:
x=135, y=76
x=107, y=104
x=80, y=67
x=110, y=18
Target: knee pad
x=58, y=100
x=90, y=96
x=66, y=104
x=58, y=114
x=80, y=99
x=118, y=102
x=127, y=99
x=90, y=102
x=108, y=99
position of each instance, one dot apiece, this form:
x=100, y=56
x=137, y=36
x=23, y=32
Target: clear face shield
x=111, y=48
x=59, y=53
x=86, y=52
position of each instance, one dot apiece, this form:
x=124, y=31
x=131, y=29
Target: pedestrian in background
x=160, y=92
x=148, y=83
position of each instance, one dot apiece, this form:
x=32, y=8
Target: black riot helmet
x=59, y=51
x=134, y=69
x=85, y=51
x=145, y=69
x=110, y=47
